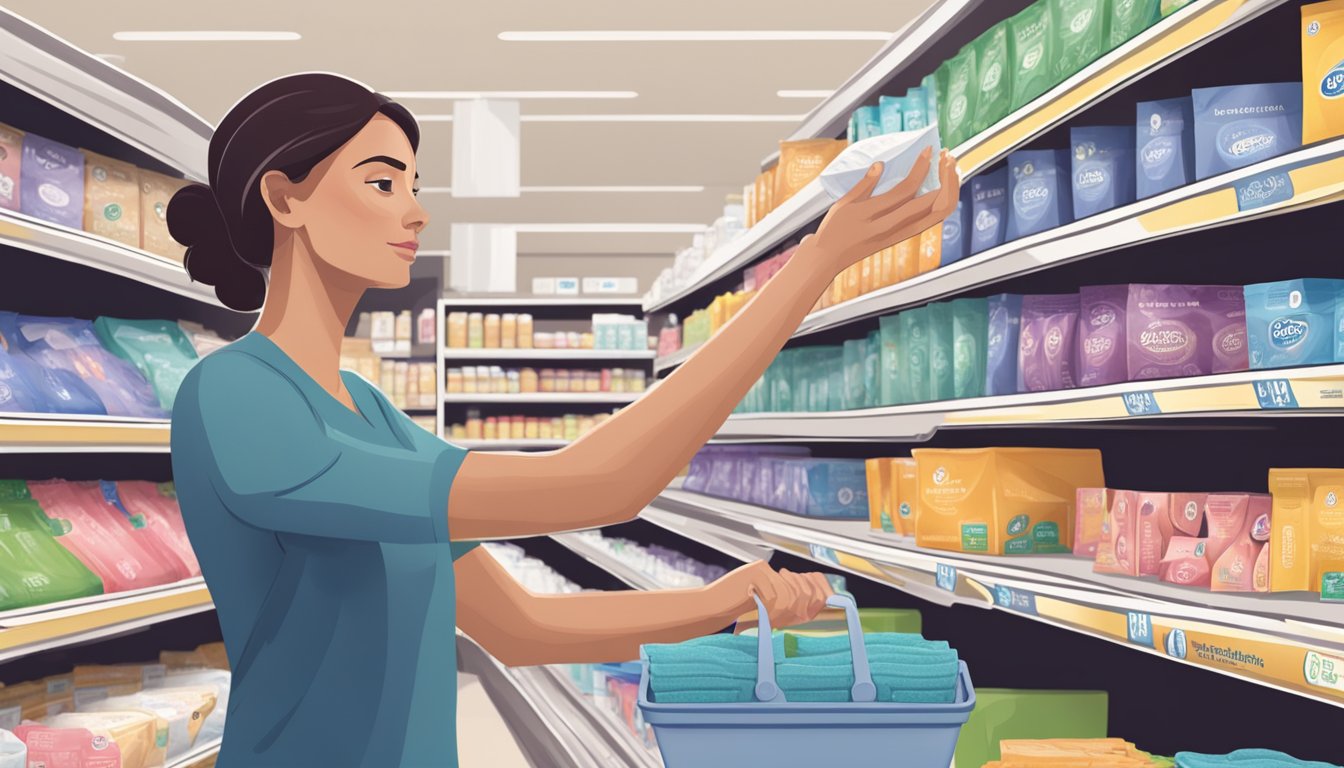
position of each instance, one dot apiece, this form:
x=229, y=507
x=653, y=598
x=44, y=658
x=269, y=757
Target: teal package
x=835, y=371
x=835, y=488
x=970, y=329
x=159, y=349
x=915, y=114
x=869, y=122
x=1292, y=323
x=889, y=328
x=957, y=89
x=1031, y=45
x=930, y=87
x=1129, y=18
x=994, y=77
x=872, y=351
x=854, y=353
x=914, y=375
x=1080, y=34
x=890, y=109
x=781, y=382
x=942, y=382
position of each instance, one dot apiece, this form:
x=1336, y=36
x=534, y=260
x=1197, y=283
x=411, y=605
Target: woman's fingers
x=864, y=189
x=905, y=190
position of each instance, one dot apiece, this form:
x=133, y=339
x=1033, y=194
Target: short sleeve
x=463, y=548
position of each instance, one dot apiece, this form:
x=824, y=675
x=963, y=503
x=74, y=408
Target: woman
x=334, y=534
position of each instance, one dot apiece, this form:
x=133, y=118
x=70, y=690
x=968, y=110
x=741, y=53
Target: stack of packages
x=1110, y=753
x=782, y=478
x=1246, y=758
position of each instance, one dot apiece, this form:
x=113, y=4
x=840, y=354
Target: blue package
x=1238, y=125
x=20, y=383
x=1164, y=146
x=989, y=214
x=833, y=488
x=1037, y=181
x=1005, y=323
x=890, y=111
x=915, y=115
x=868, y=122
x=1291, y=323
x=1103, y=168
x=955, y=241
x=71, y=345
x=59, y=390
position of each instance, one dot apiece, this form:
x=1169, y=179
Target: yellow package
x=111, y=199
x=907, y=259
x=1322, y=71
x=718, y=313
x=156, y=190
x=837, y=292
x=1291, y=537
x=1002, y=501
x=802, y=161
x=904, y=495
x=141, y=736
x=851, y=287
x=887, y=269
x=879, y=495
x=866, y=282
x=1325, y=532
x=930, y=248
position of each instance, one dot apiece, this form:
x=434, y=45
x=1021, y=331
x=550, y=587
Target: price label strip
x=1263, y=191
x=1141, y=403
x=947, y=577
x=1275, y=394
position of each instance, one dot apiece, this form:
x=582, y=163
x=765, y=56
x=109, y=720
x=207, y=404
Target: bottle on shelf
x=525, y=331
x=492, y=331
x=508, y=331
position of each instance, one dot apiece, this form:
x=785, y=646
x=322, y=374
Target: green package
x=834, y=365
x=872, y=370
x=157, y=348
x=913, y=381
x=1171, y=6
x=941, y=381
x=14, y=490
x=915, y=116
x=37, y=569
x=1129, y=18
x=970, y=329
x=889, y=360
x=1080, y=34
x=957, y=88
x=994, y=75
x=1031, y=43
x=854, y=353
x=781, y=382
x=930, y=86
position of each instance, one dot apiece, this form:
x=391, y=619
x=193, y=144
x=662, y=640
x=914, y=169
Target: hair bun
x=194, y=220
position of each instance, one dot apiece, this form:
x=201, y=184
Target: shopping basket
x=780, y=734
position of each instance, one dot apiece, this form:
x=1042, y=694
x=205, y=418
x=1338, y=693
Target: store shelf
x=581, y=547
x=1280, y=640
x=198, y=754
x=30, y=630
x=627, y=303
x=547, y=354
x=668, y=362
x=568, y=398
x=1174, y=36
x=509, y=445
x=50, y=433
x=78, y=247
x=90, y=89
x=1308, y=391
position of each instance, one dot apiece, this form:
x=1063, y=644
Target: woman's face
x=358, y=210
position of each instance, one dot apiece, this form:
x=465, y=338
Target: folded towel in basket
x=1245, y=758
x=896, y=697
x=707, y=696
x=802, y=645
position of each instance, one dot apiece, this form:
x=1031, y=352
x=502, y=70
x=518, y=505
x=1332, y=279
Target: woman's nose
x=417, y=218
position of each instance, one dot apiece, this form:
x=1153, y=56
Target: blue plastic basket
x=773, y=732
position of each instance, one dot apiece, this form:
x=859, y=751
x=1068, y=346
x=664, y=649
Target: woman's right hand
x=790, y=598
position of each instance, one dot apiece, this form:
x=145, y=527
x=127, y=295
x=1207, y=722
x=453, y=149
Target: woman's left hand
x=790, y=598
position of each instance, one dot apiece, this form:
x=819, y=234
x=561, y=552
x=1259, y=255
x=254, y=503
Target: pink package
x=1117, y=550
x=1047, y=343
x=1186, y=563
x=1187, y=513
x=1234, y=567
x=1185, y=330
x=1261, y=576
x=11, y=153
x=101, y=536
x=1231, y=517
x=1089, y=520
x=1101, y=335
x=1154, y=532
x=163, y=523
x=68, y=747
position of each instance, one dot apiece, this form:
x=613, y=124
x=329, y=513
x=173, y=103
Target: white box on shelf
x=628, y=285
x=567, y=286
x=543, y=286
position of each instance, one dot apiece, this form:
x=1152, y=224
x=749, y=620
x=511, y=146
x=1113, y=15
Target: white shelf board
x=505, y=302
x=615, y=398
x=58, y=433
x=452, y=354
x=197, y=754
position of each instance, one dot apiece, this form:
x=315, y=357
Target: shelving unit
x=510, y=445
x=625, y=573
x=197, y=755
x=554, y=398
x=548, y=355
x=52, y=433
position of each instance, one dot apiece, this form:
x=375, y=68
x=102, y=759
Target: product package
x=1103, y=168
x=1292, y=323
x=1187, y=513
x=878, y=476
x=1002, y=344
x=898, y=153
x=1164, y=145
x=930, y=87
x=11, y=161
x=830, y=488
x=1234, y=569
x=868, y=122
x=157, y=348
x=872, y=370
x=890, y=363
x=993, y=77
x=930, y=248
x=38, y=569
x=1154, y=531
x=153, y=507
x=68, y=747
x=956, y=229
x=904, y=484
x=213, y=680
x=1322, y=71
x=1239, y=125
x=1089, y=518
x=1186, y=562
x=1047, y=343
x=1101, y=335
x=1002, y=500
x=112, y=199
x=890, y=112
x=57, y=389
x=184, y=711
x=51, y=185
x=1295, y=535
x=1080, y=34
x=72, y=345
x=958, y=86
x=1129, y=18
x=800, y=162
x=914, y=378
x=989, y=210
x=942, y=373
x=915, y=110
x=136, y=734
x=156, y=191
x=1032, y=43
x=1185, y=330
x=970, y=326
x=1131, y=541
x=24, y=385
x=1038, y=181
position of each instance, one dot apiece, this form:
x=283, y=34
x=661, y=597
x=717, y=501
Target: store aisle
x=483, y=738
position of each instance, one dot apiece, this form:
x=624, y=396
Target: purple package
x=51, y=181
x=1101, y=335
x=1185, y=330
x=748, y=466
x=763, y=485
x=1047, y=349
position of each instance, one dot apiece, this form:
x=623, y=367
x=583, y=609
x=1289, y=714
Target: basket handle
x=766, y=688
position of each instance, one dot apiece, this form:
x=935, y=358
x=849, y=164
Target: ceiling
x=397, y=45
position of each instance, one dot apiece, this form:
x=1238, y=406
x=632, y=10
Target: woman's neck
x=307, y=311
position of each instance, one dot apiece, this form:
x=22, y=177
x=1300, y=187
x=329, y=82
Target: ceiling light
x=581, y=189
x=465, y=95
x=804, y=94
x=688, y=36
x=628, y=229
x=204, y=36
x=662, y=118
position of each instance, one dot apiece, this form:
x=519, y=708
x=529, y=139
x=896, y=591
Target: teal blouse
x=322, y=534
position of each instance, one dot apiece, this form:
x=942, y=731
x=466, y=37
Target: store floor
x=483, y=738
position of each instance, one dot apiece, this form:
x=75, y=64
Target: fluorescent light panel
x=581, y=189
x=804, y=94
x=204, y=36
x=465, y=95
x=688, y=36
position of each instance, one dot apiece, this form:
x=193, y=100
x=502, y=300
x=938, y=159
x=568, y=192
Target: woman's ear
x=281, y=195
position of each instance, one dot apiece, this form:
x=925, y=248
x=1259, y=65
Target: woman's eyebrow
x=400, y=166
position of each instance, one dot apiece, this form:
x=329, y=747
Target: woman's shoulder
x=235, y=374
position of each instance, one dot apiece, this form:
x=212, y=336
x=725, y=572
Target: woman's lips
x=410, y=245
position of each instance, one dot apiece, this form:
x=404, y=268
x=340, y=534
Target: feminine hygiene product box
x=1164, y=145
x=1187, y=513
x=970, y=323
x=1092, y=506
x=1031, y=43
x=1322, y=71
x=878, y=477
x=112, y=199
x=1047, y=343
x=958, y=86
x=942, y=373
x=956, y=238
x=1239, y=526
x=1134, y=534
x=904, y=486
x=1291, y=323
x=52, y=181
x=1186, y=562
x=1103, y=168
x=1306, y=519
x=1079, y=27
x=889, y=359
x=1038, y=191
x=1002, y=501
x=830, y=488
x=1185, y=330
x=156, y=191
x=989, y=210
x=993, y=77
x=915, y=110
x=70, y=344
x=11, y=156
x=1101, y=335
x=1001, y=344
x=1239, y=125
x=914, y=382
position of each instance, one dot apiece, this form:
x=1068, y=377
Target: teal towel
x=895, y=697
x=881, y=654
x=722, y=669
x=705, y=696
x=944, y=696
x=1246, y=758
x=879, y=670
x=710, y=647
x=802, y=645
x=661, y=685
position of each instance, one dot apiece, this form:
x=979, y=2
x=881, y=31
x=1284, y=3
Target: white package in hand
x=896, y=151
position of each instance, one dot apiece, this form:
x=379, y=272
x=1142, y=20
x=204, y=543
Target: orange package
x=930, y=248
x=800, y=162
x=851, y=287
x=907, y=259
x=866, y=282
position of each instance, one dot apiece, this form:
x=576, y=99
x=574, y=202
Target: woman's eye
x=383, y=185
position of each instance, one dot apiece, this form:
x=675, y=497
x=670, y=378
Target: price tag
x=1017, y=600
x=823, y=553
x=1264, y=190
x=1275, y=394
x=1141, y=629
x=947, y=577
x=1141, y=403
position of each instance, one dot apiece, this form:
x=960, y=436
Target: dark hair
x=288, y=125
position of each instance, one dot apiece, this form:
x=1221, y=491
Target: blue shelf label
x=1141, y=403
x=1275, y=394
x=1141, y=629
x=1017, y=600
x=1264, y=190
x=823, y=553
x=1176, y=646
x=947, y=577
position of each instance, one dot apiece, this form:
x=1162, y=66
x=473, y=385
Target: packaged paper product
x=183, y=710
x=141, y=736
x=1032, y=44
x=1002, y=500
x=157, y=348
x=970, y=326
x=889, y=111
x=994, y=77
x=1239, y=125
x=22, y=384
x=800, y=162
x=914, y=376
x=1103, y=168
x=898, y=153
x=1101, y=335
x=1291, y=323
x=59, y=390
x=1047, y=343
x=71, y=345
x=1090, y=514
x=1002, y=344
x=1326, y=539
x=154, y=507
x=112, y=199
x=1165, y=145
x=51, y=185
x=957, y=89
x=1154, y=513
x=1322, y=71
x=942, y=373
x=830, y=488
x=905, y=494
x=889, y=329
x=915, y=110
x=1121, y=549
x=212, y=681
x=879, y=495
x=1080, y=34
x=872, y=350
x=1186, y=562
x=930, y=248
x=956, y=240
x=906, y=256
x=1234, y=568
x=867, y=122
x=1187, y=513
x=989, y=210
x=1038, y=181
x=156, y=190
x=1185, y=330
x=930, y=86
x=1129, y=18
x=11, y=161
x=855, y=351
x=68, y=748
x=1294, y=536
x=96, y=682
x=37, y=570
